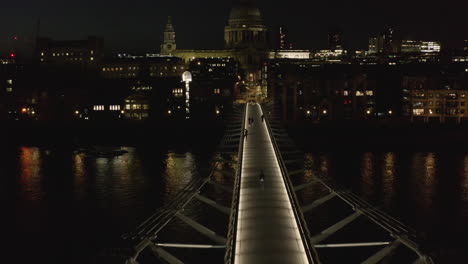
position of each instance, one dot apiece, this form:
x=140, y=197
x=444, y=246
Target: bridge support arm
x=377, y=257
x=293, y=173
x=168, y=257
x=334, y=228
x=318, y=202
x=193, y=246
x=348, y=245
x=303, y=186
x=202, y=229
x=220, y=186
x=214, y=204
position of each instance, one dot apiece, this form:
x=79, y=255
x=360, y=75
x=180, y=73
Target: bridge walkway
x=267, y=228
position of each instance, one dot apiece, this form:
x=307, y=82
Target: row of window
x=102, y=108
x=359, y=93
x=438, y=111
x=438, y=103
x=119, y=69
x=58, y=54
x=154, y=68
x=438, y=95
x=136, y=106
x=178, y=92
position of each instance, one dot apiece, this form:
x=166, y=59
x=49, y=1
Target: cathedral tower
x=169, y=42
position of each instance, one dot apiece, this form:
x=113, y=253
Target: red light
x=12, y=55
x=15, y=37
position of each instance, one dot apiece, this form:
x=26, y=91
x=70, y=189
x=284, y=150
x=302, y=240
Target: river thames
x=64, y=206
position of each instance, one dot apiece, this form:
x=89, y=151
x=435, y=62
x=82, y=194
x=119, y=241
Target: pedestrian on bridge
x=262, y=176
x=263, y=118
x=246, y=132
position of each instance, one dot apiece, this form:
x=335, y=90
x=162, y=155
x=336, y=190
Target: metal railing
x=232, y=233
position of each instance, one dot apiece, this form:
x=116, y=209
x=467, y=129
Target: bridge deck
x=267, y=231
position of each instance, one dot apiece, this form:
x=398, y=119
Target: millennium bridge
x=266, y=219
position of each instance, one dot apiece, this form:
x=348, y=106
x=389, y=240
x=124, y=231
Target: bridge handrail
x=303, y=230
x=232, y=232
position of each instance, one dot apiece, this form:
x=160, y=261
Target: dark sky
x=136, y=26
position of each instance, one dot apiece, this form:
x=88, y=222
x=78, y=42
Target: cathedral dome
x=245, y=12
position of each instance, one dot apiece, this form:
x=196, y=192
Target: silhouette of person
x=263, y=118
x=262, y=176
x=246, y=132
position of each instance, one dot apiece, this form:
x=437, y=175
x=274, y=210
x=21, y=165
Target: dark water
x=64, y=207
x=427, y=190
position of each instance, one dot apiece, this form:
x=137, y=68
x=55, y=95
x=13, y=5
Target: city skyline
x=138, y=28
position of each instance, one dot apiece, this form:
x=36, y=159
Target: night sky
x=136, y=26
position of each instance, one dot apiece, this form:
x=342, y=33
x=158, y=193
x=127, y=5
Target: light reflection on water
x=388, y=178
x=465, y=180
x=367, y=174
x=30, y=174
x=106, y=196
x=100, y=197
x=427, y=190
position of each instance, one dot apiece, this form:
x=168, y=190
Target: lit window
x=9, y=81
x=98, y=108
x=345, y=93
x=92, y=58
x=9, y=89
x=217, y=91
x=359, y=93
x=42, y=53
x=114, y=107
x=369, y=93
x=418, y=111
x=128, y=107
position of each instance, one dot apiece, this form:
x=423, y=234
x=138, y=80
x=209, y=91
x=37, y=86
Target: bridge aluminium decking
x=267, y=228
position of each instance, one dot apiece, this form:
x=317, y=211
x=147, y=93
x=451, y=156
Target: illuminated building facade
x=137, y=67
x=245, y=38
x=418, y=46
x=318, y=92
x=214, y=86
x=435, y=98
x=87, y=52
